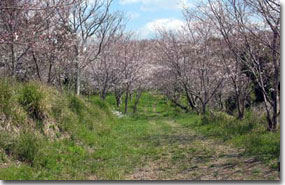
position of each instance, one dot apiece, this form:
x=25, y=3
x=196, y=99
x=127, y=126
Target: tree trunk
x=103, y=94
x=118, y=96
x=130, y=97
x=137, y=98
x=269, y=122
x=37, y=67
x=77, y=79
x=276, y=83
x=191, y=102
x=221, y=103
x=204, y=108
x=126, y=101
x=88, y=95
x=77, y=84
x=179, y=105
x=13, y=59
x=118, y=101
x=240, y=107
x=49, y=72
x=268, y=114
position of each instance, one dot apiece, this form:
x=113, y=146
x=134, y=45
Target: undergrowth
x=249, y=133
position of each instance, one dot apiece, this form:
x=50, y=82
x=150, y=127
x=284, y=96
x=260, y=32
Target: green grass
x=87, y=139
x=53, y=135
x=249, y=133
x=48, y=135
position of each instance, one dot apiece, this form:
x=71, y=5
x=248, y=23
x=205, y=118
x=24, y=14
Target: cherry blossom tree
x=23, y=24
x=197, y=69
x=89, y=22
x=251, y=30
x=107, y=71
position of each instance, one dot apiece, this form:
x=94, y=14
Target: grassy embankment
x=48, y=135
x=45, y=134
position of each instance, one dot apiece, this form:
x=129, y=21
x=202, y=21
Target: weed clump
x=26, y=146
x=31, y=99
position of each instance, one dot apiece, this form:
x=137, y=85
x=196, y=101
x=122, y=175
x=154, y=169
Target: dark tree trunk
x=276, y=83
x=179, y=105
x=137, y=99
x=118, y=101
x=103, y=94
x=49, y=72
x=191, y=102
x=37, y=67
x=118, y=95
x=126, y=101
x=204, y=108
x=78, y=79
x=240, y=107
x=13, y=59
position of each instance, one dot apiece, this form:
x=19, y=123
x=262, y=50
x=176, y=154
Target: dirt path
x=186, y=155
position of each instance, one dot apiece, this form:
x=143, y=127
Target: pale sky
x=146, y=15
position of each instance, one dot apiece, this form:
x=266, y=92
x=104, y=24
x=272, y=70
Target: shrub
x=30, y=98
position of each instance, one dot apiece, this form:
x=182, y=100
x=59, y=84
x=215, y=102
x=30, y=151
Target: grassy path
x=175, y=152
x=184, y=155
x=159, y=142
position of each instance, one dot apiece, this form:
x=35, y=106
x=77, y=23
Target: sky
x=144, y=16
